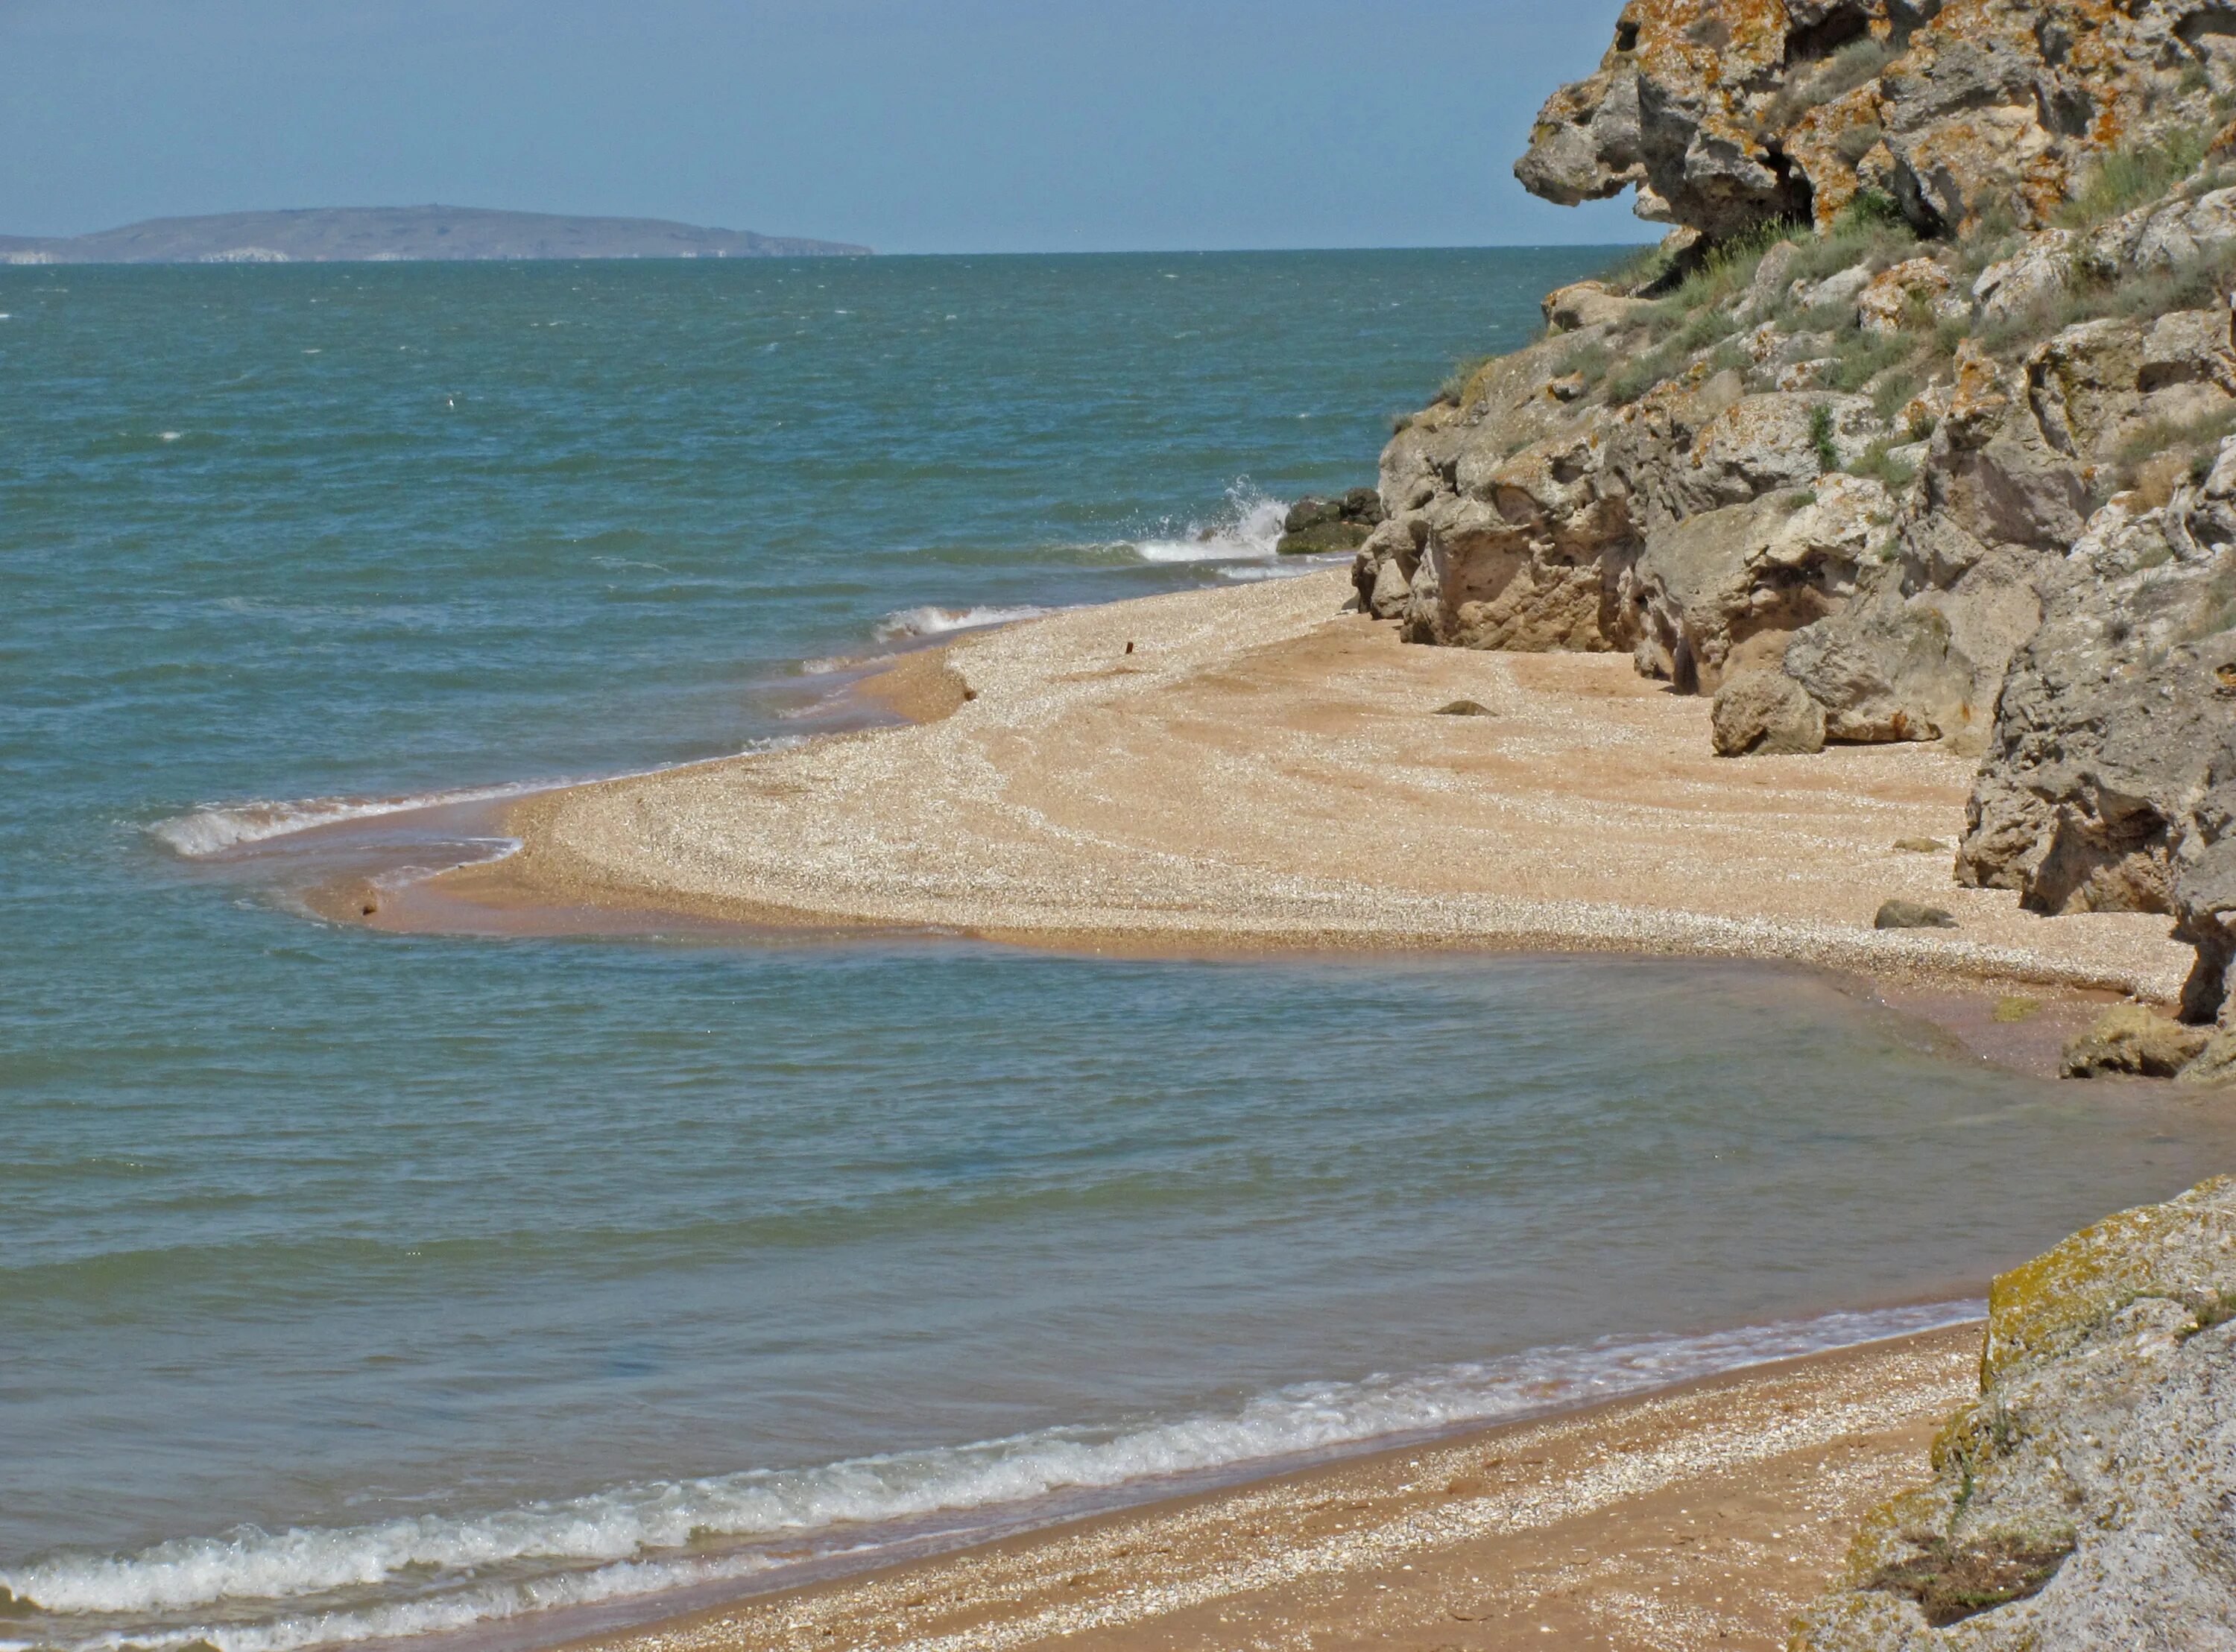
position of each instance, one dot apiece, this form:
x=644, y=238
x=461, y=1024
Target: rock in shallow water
x=1317, y=527
x=2132, y=1041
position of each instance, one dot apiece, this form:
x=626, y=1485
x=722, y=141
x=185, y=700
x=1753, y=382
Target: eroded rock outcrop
x=2087, y=1499
x=2111, y=782
x=1724, y=113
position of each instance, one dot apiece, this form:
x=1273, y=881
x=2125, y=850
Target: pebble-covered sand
x=1706, y=1516
x=1252, y=765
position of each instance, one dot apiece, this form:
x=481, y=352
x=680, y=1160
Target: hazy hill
x=363, y=234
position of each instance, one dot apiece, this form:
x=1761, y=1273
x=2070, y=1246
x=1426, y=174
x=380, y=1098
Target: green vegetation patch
x=1820, y=437
x=2128, y=177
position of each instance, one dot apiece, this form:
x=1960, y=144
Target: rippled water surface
x=352, y=1284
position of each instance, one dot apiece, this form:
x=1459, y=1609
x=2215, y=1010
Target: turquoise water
x=354, y=1285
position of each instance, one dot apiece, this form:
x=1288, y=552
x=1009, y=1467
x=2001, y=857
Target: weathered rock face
x=1727, y=113
x=2084, y=1502
x=1723, y=591
x=2108, y=783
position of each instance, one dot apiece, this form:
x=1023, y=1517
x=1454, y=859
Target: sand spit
x=1704, y=1516
x=1252, y=766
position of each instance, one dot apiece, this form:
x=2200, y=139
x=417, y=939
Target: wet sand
x=1250, y=766
x=1702, y=1515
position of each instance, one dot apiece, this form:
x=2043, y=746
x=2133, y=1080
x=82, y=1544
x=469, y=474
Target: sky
x=912, y=126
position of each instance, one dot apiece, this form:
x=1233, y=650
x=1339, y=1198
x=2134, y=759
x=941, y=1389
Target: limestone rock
x=1913, y=664
x=1588, y=303
x=1768, y=285
x=2159, y=235
x=1392, y=592
x=1842, y=286
x=1912, y=914
x=1724, y=591
x=2113, y=751
x=2132, y=1040
x=2094, y=1474
x=1728, y=114
x=2034, y=277
x=2189, y=347
x=2214, y=1066
x=1765, y=713
x=2082, y=384
x=1902, y=292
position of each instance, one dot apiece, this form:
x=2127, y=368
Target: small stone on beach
x=1463, y=708
x=1913, y=914
x=1920, y=845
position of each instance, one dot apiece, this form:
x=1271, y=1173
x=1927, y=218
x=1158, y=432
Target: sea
x=359, y=1286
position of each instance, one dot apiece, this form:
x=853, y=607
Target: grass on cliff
x=1834, y=75
x=2165, y=453
x=2128, y=177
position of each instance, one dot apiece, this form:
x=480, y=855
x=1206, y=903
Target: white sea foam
x=217, y=827
x=1248, y=529
x=937, y=622
x=252, y=1590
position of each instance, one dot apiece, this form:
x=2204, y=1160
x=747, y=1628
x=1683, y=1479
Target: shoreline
x=1721, y=1503
x=1263, y=772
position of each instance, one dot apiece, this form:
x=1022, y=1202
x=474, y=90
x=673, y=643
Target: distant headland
x=392, y=234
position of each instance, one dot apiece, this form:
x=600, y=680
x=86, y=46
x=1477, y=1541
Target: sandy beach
x=1250, y=765
x=1700, y=1516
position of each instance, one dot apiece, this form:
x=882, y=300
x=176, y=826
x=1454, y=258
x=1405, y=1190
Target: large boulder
x=2111, y=760
x=2083, y=1501
x=1588, y=303
x=1908, y=660
x=1724, y=591
x=1763, y=714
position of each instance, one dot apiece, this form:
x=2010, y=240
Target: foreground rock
x=2087, y=1499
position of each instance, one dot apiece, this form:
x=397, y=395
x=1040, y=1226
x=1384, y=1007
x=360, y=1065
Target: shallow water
x=351, y=1284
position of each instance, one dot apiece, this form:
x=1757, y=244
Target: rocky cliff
x=2084, y=1502
x=1913, y=428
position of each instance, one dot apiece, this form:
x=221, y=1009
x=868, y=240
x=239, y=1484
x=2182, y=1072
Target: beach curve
x=1252, y=766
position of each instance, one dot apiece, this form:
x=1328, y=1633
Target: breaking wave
x=253, y=1591
x=215, y=828
x=1246, y=530
x=937, y=622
